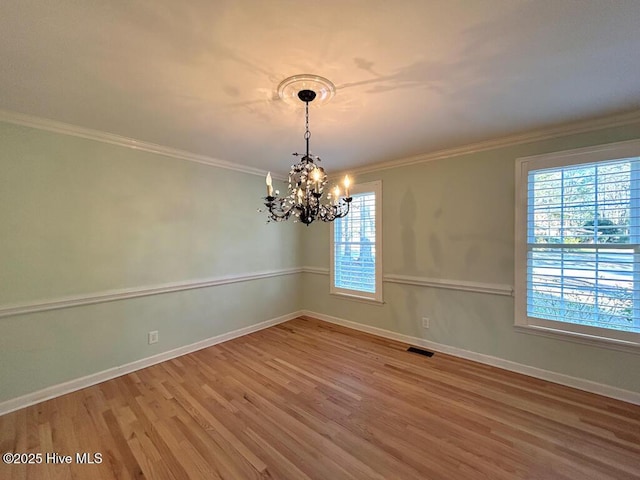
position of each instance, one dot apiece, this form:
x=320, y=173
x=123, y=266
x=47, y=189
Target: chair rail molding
x=122, y=294
x=460, y=285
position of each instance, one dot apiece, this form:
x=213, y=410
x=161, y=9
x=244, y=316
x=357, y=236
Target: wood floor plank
x=308, y=400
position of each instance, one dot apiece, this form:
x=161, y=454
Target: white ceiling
x=412, y=76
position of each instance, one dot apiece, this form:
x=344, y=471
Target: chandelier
x=307, y=180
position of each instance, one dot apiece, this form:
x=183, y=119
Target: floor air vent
x=426, y=353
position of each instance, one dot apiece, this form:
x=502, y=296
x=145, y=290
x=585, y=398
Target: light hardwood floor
x=307, y=399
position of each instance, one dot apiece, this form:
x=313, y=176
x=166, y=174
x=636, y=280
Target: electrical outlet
x=425, y=322
x=153, y=337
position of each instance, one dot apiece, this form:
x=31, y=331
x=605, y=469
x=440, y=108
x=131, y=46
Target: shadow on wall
x=406, y=319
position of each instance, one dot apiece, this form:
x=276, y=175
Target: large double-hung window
x=356, y=265
x=578, y=243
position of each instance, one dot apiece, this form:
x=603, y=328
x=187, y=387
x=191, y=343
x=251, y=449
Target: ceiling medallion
x=323, y=88
x=304, y=201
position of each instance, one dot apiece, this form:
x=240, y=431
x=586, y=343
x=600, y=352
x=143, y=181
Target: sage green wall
x=80, y=217
x=453, y=219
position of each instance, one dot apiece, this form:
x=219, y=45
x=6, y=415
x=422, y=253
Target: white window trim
x=626, y=341
x=376, y=188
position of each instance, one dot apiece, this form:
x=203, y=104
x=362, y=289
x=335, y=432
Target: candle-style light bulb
x=316, y=179
x=269, y=187
x=300, y=195
x=347, y=182
x=336, y=195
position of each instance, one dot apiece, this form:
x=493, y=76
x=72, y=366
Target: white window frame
x=627, y=341
x=374, y=187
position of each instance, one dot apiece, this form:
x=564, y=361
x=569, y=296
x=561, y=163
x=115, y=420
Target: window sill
x=601, y=342
x=356, y=298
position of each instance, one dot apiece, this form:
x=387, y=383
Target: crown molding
x=113, y=139
x=508, y=141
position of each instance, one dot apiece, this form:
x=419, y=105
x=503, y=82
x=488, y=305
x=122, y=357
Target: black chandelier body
x=307, y=181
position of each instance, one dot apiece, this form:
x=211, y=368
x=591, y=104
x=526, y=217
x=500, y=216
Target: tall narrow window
x=578, y=242
x=356, y=267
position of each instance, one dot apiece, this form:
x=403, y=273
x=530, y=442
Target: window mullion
x=562, y=254
x=596, y=231
x=634, y=237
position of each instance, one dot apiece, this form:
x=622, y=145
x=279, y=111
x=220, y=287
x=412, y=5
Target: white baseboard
x=567, y=380
x=79, y=383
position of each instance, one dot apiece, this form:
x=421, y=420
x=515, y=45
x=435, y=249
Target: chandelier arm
x=343, y=213
x=328, y=213
x=276, y=210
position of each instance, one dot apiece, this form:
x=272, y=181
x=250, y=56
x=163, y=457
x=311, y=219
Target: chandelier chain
x=307, y=133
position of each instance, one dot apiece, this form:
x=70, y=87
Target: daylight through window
x=355, y=246
x=581, y=253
